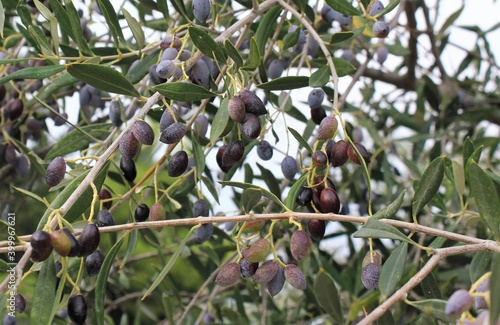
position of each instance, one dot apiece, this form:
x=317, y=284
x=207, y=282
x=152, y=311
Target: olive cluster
x=64, y=243
x=272, y=273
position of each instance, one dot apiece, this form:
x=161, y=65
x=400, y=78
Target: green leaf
x=82, y=203
x=291, y=39
x=339, y=37
x=459, y=177
x=253, y=60
x=486, y=198
x=131, y=245
x=428, y=185
x=111, y=17
x=249, y=198
x=449, y=21
x=41, y=41
x=433, y=307
x=233, y=53
x=135, y=27
x=74, y=24
x=301, y=140
x=30, y=194
x=495, y=290
x=45, y=293
x=343, y=67
x=286, y=83
x=343, y=6
x=79, y=139
x=320, y=77
x=430, y=286
x=294, y=191
x=183, y=91
x=47, y=14
x=265, y=192
x=102, y=77
x=102, y=280
x=327, y=295
x=2, y=19
x=270, y=180
x=479, y=265
x=265, y=27
x=393, y=4
x=376, y=229
x=206, y=44
x=199, y=157
x=62, y=17
x=180, y=8
x=392, y=270
x=169, y=265
x=390, y=210
x=220, y=121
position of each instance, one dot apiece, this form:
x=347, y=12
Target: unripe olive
x=64, y=243
x=258, y=251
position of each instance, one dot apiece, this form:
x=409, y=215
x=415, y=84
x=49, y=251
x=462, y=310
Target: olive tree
x=243, y=162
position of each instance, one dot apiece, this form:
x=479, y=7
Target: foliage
x=413, y=189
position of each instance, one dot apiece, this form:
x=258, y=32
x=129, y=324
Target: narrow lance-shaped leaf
x=285, y=83
x=109, y=14
x=102, y=77
x=47, y=14
x=2, y=19
x=250, y=197
x=392, y=269
x=320, y=77
x=220, y=121
x=301, y=140
x=253, y=60
x=74, y=23
x=135, y=27
x=486, y=198
x=45, y=293
x=169, y=265
x=433, y=307
x=428, y=185
x=233, y=53
x=495, y=290
x=265, y=192
x=391, y=209
x=293, y=192
x=183, y=91
x=327, y=295
x=102, y=280
x=376, y=229
x=206, y=44
x=199, y=158
x=343, y=6
x=264, y=28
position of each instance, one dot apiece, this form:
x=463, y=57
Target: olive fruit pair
x=230, y=154
x=338, y=153
x=244, y=108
